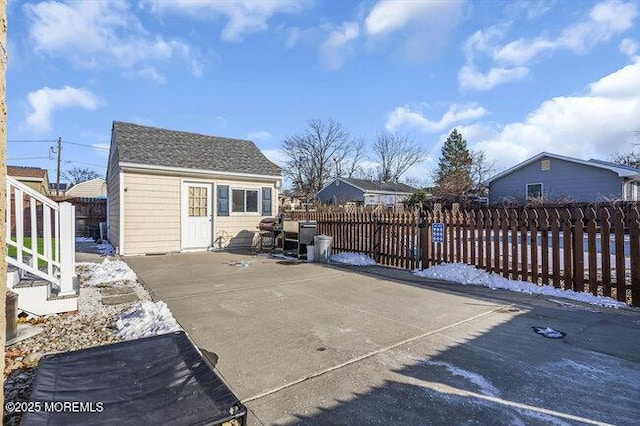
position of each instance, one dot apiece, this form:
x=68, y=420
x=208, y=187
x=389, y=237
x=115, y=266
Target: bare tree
x=631, y=159
x=353, y=163
x=481, y=170
x=395, y=153
x=319, y=153
x=76, y=175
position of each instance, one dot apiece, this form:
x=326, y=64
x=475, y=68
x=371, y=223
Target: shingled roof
x=171, y=148
x=26, y=172
x=373, y=185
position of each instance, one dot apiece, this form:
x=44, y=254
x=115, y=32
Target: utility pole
x=58, y=172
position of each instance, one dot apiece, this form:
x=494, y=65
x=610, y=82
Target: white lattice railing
x=33, y=218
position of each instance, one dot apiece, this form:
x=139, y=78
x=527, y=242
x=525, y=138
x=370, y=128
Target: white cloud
x=392, y=15
x=470, y=78
x=261, y=135
x=420, y=27
x=529, y=8
x=629, y=47
x=243, y=17
x=96, y=33
x=276, y=155
x=44, y=102
x=405, y=117
x=522, y=51
x=150, y=73
x=336, y=45
x=594, y=125
x=605, y=20
x=197, y=68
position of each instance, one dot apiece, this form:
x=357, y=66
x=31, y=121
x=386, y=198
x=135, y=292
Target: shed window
x=244, y=201
x=197, y=202
x=534, y=191
x=545, y=165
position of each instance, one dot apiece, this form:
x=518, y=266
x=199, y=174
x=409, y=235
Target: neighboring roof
x=620, y=170
x=26, y=172
x=171, y=148
x=96, y=187
x=63, y=186
x=379, y=186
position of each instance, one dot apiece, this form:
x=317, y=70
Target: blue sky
x=515, y=77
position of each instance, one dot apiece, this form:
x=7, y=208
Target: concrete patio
x=316, y=344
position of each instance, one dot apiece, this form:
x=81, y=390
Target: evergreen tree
x=453, y=176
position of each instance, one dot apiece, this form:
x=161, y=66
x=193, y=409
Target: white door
x=196, y=215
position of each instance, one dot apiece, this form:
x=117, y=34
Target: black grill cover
x=159, y=380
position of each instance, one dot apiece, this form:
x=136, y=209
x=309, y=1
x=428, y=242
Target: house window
x=244, y=201
x=197, y=202
x=534, y=191
x=545, y=165
x=631, y=191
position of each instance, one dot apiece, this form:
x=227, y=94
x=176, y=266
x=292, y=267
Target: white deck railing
x=56, y=261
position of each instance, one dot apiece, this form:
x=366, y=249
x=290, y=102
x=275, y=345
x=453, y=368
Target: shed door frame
x=205, y=242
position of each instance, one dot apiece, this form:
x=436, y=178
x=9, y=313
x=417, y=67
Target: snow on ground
x=485, y=386
x=469, y=275
x=84, y=240
x=355, y=259
x=106, y=248
x=146, y=319
x=109, y=271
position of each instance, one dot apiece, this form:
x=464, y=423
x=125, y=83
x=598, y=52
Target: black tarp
x=159, y=380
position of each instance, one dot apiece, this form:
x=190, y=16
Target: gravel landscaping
x=94, y=324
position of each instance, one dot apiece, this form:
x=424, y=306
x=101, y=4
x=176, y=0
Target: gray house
x=361, y=191
x=552, y=177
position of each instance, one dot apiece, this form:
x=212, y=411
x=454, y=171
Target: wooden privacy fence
x=89, y=213
x=592, y=249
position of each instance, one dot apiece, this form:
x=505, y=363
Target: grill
x=297, y=235
x=268, y=224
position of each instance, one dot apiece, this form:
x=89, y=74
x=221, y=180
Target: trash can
x=11, y=313
x=311, y=251
x=323, y=245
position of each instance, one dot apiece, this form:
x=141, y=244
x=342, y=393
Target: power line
x=87, y=164
x=31, y=141
x=101, y=148
x=29, y=158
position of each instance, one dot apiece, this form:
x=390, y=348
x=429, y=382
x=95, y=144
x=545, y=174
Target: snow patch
x=469, y=275
x=108, y=271
x=146, y=319
x=355, y=259
x=481, y=382
x=106, y=248
x=84, y=240
x=549, y=332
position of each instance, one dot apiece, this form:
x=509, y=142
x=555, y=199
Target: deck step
x=40, y=297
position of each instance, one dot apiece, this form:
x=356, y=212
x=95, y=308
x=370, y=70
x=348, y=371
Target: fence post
x=67, y=249
x=376, y=239
x=634, y=253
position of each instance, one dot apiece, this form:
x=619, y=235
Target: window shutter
x=223, y=200
x=266, y=201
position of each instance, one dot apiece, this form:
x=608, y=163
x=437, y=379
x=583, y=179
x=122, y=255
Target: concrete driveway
x=314, y=344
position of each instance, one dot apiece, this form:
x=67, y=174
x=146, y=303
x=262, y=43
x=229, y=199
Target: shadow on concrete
x=507, y=374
